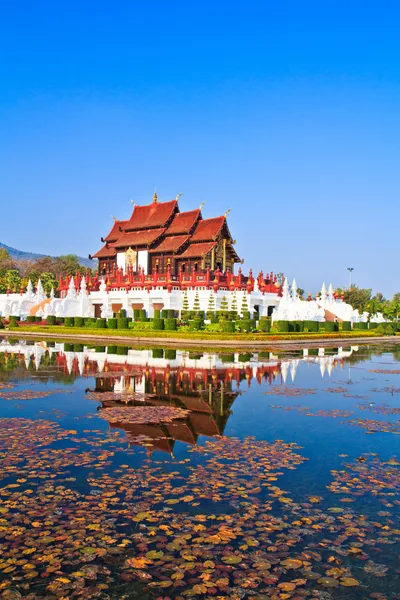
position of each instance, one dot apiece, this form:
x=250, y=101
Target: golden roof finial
x=114, y=219
x=155, y=197
x=178, y=196
x=227, y=212
x=201, y=205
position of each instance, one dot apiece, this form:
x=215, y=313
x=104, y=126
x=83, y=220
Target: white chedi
x=292, y=308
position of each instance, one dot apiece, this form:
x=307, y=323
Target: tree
x=13, y=280
x=6, y=262
x=234, y=306
x=211, y=302
x=196, y=302
x=358, y=297
x=49, y=281
x=185, y=301
x=244, y=309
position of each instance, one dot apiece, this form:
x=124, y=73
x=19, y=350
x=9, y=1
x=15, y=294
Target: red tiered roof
x=139, y=238
x=198, y=250
x=105, y=252
x=207, y=229
x=171, y=243
x=115, y=232
x=183, y=222
x=151, y=215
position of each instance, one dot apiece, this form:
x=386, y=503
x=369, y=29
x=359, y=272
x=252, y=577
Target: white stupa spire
x=52, y=293
x=285, y=289
x=83, y=286
x=71, y=289
x=29, y=289
x=39, y=290
x=330, y=293
x=294, y=290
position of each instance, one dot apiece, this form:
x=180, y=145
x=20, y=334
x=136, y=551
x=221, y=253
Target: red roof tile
x=171, y=243
x=155, y=214
x=183, y=222
x=197, y=250
x=139, y=238
x=207, y=229
x=115, y=232
x=105, y=252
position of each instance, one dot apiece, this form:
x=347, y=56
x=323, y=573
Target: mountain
x=21, y=255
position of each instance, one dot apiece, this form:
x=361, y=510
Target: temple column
x=213, y=259
x=224, y=256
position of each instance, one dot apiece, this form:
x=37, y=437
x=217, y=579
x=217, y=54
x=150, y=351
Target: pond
x=164, y=473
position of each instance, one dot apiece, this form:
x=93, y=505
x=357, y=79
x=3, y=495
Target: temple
x=158, y=237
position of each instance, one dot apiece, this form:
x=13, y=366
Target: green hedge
x=360, y=326
x=112, y=323
x=68, y=347
x=90, y=322
x=311, y=326
x=69, y=322
x=170, y=354
x=101, y=323
x=37, y=319
x=157, y=314
x=158, y=324
x=168, y=314
x=78, y=347
x=111, y=349
x=330, y=326
x=141, y=325
x=123, y=323
x=50, y=320
x=283, y=326
x=265, y=324
x=244, y=358
x=227, y=358
x=78, y=322
x=373, y=325
x=245, y=325
x=227, y=326
x=122, y=350
x=122, y=314
x=99, y=349
x=30, y=319
x=170, y=324
x=346, y=326
x=158, y=353
x=196, y=324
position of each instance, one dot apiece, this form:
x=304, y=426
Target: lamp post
x=350, y=269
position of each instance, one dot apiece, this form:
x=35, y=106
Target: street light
x=350, y=269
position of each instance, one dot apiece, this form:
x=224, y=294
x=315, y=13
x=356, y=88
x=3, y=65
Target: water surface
x=131, y=473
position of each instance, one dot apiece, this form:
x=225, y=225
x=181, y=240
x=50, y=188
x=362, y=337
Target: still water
x=129, y=473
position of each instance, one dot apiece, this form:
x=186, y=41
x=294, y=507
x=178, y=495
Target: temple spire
x=155, y=198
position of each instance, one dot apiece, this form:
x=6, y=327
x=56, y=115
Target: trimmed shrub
x=264, y=324
x=69, y=322
x=78, y=322
x=170, y=354
x=157, y=313
x=195, y=355
x=99, y=348
x=136, y=314
x=37, y=319
x=68, y=347
x=330, y=326
x=158, y=324
x=170, y=324
x=245, y=325
x=227, y=358
x=122, y=314
x=158, y=352
x=142, y=314
x=227, y=326
x=210, y=315
x=346, y=326
x=386, y=329
x=50, y=344
x=112, y=323
x=1, y=324
x=60, y=320
x=360, y=326
x=122, y=323
x=196, y=324
x=373, y=325
x=101, y=323
x=30, y=319
x=78, y=347
x=283, y=326
x=246, y=315
x=122, y=350
x=244, y=358
x=90, y=322
x=111, y=349
x=311, y=326
x=50, y=320
x=263, y=355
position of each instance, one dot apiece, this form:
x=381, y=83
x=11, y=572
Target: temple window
x=196, y=266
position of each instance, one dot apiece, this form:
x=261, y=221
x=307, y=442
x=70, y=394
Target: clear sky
x=286, y=112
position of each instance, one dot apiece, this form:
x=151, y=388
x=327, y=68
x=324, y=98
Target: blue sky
x=285, y=112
